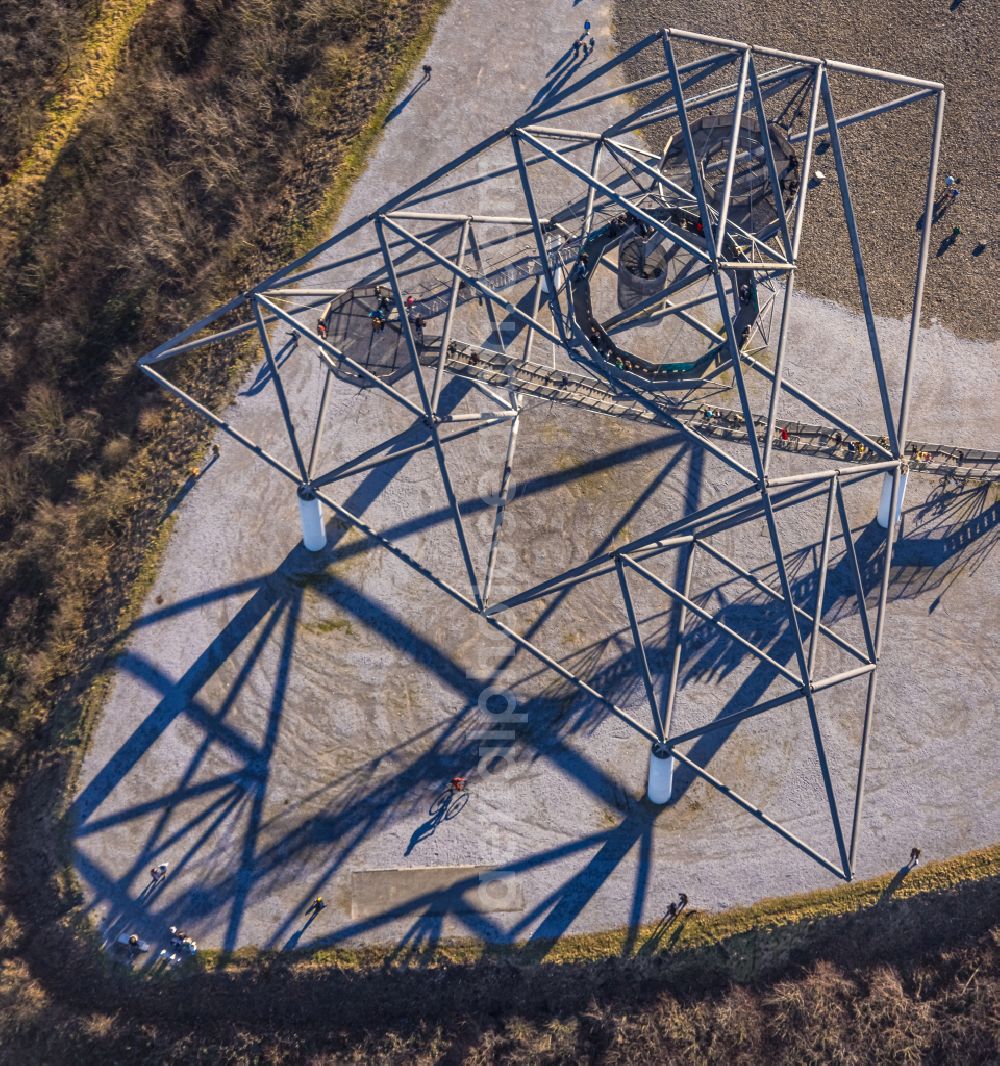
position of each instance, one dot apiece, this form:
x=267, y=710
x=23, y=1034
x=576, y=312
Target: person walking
x=949, y=181
x=586, y=29
x=682, y=900
x=914, y=857
x=158, y=873
x=317, y=905
x=426, y=69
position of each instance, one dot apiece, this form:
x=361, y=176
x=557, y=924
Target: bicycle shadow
x=448, y=805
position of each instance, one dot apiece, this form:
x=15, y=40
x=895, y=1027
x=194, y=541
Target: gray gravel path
x=281, y=724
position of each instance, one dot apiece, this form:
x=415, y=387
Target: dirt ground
x=955, y=45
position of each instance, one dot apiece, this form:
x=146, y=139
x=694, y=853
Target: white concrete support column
x=886, y=501
x=661, y=775
x=311, y=513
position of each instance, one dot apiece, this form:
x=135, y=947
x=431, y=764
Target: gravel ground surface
x=955, y=45
x=280, y=723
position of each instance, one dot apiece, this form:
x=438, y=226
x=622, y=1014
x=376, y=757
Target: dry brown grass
x=37, y=44
x=197, y=173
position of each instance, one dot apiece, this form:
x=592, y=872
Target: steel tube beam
x=729, y=721
x=855, y=571
x=302, y=292
x=758, y=814
x=220, y=423
x=772, y=169
x=786, y=307
x=426, y=216
x=357, y=466
x=734, y=143
x=517, y=638
x=597, y=567
x=871, y=112
x=167, y=348
x=405, y=558
x=815, y=405
x=640, y=650
x=675, y=662
x=918, y=291
x=704, y=38
x=663, y=296
x=279, y=390
x=536, y=303
x=696, y=103
x=543, y=252
x=320, y=421
x=491, y=314
x=503, y=500
x=689, y=149
x=846, y=675
x=800, y=657
x=868, y=469
x=432, y=424
x=706, y=617
x=824, y=562
x=326, y=349
x=883, y=75
x=859, y=266
x=632, y=87
x=449, y=319
x=769, y=590
x=622, y=201
x=859, y=793
x=595, y=166
x=617, y=150
x=469, y=279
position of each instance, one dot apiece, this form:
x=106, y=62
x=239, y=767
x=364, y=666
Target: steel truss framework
x=759, y=76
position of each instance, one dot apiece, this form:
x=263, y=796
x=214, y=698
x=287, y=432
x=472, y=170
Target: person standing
x=914, y=857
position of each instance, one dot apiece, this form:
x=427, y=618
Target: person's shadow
x=946, y=244
x=401, y=106
x=898, y=878
x=293, y=941
x=151, y=889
